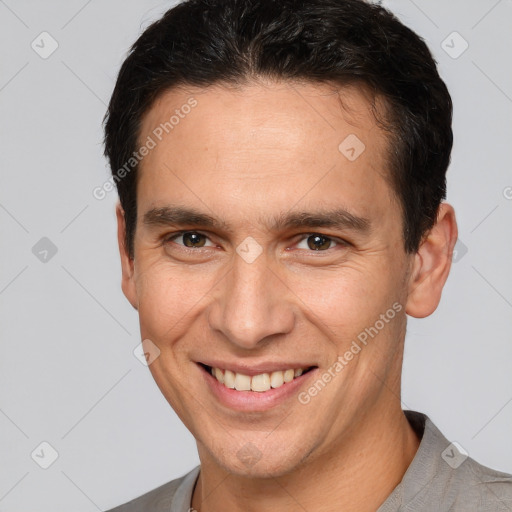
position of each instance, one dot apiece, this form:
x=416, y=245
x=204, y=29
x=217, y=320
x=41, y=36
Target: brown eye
x=318, y=242
x=192, y=239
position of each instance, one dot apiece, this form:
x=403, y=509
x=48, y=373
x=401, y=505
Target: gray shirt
x=440, y=478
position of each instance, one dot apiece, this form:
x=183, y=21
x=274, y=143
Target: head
x=280, y=207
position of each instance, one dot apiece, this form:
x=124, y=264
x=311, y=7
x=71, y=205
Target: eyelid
x=171, y=236
x=338, y=241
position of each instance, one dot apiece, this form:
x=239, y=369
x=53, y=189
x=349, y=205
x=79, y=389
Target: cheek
x=342, y=299
x=167, y=296
x=334, y=294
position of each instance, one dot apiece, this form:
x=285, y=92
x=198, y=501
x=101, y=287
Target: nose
x=251, y=304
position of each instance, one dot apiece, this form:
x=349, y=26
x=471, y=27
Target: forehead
x=265, y=144
x=265, y=109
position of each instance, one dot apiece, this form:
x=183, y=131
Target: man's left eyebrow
x=339, y=218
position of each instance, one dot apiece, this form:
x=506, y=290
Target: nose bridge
x=252, y=304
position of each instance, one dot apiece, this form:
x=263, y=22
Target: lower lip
x=254, y=400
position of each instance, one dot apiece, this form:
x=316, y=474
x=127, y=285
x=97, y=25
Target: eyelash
x=304, y=236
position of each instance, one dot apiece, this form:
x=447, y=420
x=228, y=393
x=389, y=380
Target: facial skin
x=247, y=157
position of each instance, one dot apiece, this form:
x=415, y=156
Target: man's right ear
x=127, y=264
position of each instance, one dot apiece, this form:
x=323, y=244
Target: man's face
x=255, y=294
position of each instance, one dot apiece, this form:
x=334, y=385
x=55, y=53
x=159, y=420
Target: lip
x=256, y=368
x=254, y=401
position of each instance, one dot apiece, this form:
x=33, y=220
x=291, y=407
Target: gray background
x=67, y=369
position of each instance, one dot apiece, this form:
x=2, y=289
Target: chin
x=271, y=462
x=263, y=469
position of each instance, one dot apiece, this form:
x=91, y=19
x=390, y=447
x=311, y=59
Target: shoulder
x=472, y=483
x=443, y=475
x=161, y=498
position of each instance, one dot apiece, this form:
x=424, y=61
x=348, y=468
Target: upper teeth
x=261, y=382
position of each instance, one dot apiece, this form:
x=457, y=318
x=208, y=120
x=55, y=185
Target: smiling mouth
x=259, y=383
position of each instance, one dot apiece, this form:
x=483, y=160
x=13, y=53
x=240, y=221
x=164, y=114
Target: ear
x=127, y=264
x=432, y=264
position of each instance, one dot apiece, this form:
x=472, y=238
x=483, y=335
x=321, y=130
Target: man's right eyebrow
x=179, y=215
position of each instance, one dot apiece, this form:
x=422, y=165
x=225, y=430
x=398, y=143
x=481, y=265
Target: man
x=281, y=172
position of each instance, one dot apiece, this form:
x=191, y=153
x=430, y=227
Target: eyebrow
x=338, y=218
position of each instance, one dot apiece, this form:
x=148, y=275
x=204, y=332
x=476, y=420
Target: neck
x=356, y=473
